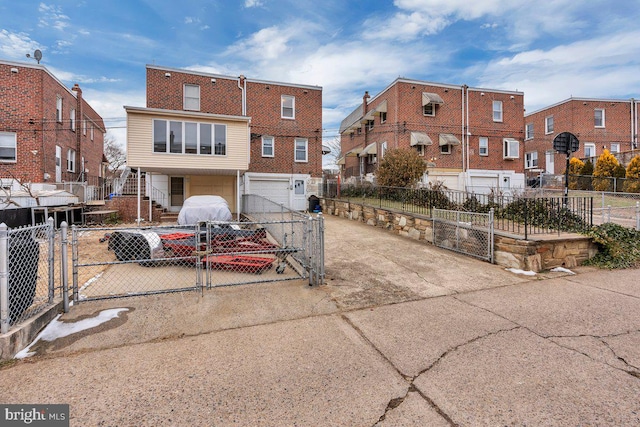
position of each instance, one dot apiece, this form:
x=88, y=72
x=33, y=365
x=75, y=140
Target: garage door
x=483, y=184
x=274, y=190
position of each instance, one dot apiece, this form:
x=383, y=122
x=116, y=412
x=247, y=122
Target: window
x=220, y=140
x=288, y=104
x=548, y=125
x=429, y=109
x=420, y=149
x=383, y=149
x=598, y=117
x=511, y=148
x=8, y=147
x=383, y=116
x=445, y=149
x=615, y=148
x=369, y=124
x=71, y=160
x=497, y=111
x=589, y=149
x=267, y=146
x=192, y=97
x=298, y=187
x=531, y=160
x=529, y=131
x=483, y=146
x=72, y=116
x=301, y=150
x=59, y=109
x=189, y=138
x=84, y=127
x=92, y=132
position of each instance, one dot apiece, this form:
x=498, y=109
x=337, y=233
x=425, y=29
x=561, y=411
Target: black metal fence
x=516, y=214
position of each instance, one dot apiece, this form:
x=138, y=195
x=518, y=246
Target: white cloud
x=16, y=45
x=70, y=77
x=52, y=16
x=253, y=3
x=191, y=20
x=604, y=66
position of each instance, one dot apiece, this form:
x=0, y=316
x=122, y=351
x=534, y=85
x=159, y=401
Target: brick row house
x=470, y=138
x=203, y=133
x=597, y=123
x=49, y=134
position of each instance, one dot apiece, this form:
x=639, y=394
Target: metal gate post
x=51, y=236
x=208, y=251
x=309, y=249
x=74, y=261
x=198, y=259
x=4, y=279
x=491, y=235
x=64, y=229
x=321, y=246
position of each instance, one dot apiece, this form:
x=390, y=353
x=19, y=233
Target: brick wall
x=28, y=107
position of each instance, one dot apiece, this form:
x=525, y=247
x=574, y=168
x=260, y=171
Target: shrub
x=632, y=183
x=575, y=168
x=618, y=246
x=604, y=171
x=400, y=167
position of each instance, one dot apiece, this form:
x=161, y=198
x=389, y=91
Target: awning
x=448, y=139
x=325, y=149
x=431, y=98
x=369, y=149
x=340, y=161
x=381, y=108
x=354, y=152
x=368, y=117
x=420, y=138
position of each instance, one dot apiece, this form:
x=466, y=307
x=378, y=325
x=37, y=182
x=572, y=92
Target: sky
x=549, y=50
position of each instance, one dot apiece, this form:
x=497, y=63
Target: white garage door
x=274, y=190
x=483, y=184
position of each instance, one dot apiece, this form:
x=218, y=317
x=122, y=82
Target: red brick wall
x=405, y=115
x=577, y=116
x=262, y=105
x=28, y=107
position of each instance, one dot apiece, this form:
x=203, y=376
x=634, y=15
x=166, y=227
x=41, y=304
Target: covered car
x=204, y=208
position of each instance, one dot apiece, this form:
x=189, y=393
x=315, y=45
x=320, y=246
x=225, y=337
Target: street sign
x=566, y=142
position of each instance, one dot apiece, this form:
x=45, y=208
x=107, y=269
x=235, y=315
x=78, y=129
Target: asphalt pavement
x=402, y=334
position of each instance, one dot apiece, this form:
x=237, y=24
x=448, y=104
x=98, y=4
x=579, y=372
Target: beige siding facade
x=140, y=152
x=223, y=186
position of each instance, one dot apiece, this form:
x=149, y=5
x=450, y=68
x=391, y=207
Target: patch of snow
x=90, y=281
x=57, y=329
x=562, y=270
x=523, y=272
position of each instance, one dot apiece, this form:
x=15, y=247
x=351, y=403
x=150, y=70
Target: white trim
x=306, y=150
x=273, y=148
x=283, y=98
x=547, y=131
x=603, y=125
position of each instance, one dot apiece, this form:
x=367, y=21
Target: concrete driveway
x=403, y=334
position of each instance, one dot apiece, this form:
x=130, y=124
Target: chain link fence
x=27, y=272
x=469, y=233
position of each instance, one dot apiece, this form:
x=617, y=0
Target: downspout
x=634, y=124
x=242, y=85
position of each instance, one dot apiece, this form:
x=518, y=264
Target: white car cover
x=204, y=208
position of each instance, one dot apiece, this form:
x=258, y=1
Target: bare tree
x=115, y=154
x=6, y=194
x=331, y=158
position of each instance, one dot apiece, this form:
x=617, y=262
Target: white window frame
x=191, y=102
x=445, y=149
x=71, y=160
x=617, y=148
x=72, y=119
x=483, y=146
x=91, y=131
x=528, y=131
x=84, y=126
x=431, y=106
x=595, y=118
x=531, y=160
x=296, y=145
x=548, y=121
x=497, y=111
x=213, y=148
x=370, y=124
x=420, y=149
x=285, y=107
x=268, y=142
x=59, y=109
x=383, y=117
x=589, y=147
x=383, y=149
x=508, y=146
x=9, y=140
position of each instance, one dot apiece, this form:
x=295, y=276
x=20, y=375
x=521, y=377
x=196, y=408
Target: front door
x=549, y=162
x=299, y=199
x=176, y=191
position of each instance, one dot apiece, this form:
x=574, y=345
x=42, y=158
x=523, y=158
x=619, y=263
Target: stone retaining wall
x=540, y=253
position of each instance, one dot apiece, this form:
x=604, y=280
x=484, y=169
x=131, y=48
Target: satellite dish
x=37, y=55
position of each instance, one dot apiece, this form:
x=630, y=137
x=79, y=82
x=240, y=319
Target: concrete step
x=169, y=217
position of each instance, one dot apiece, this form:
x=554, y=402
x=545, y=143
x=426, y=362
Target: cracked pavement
x=402, y=334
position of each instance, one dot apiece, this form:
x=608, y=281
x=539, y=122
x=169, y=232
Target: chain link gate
x=469, y=233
